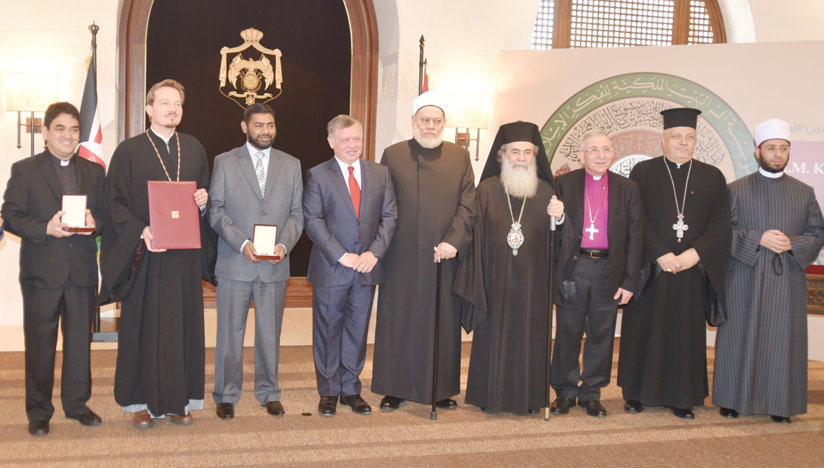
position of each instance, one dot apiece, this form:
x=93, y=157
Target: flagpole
x=421, y=65
x=94, y=28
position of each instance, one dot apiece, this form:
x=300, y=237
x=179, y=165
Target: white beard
x=519, y=181
x=427, y=142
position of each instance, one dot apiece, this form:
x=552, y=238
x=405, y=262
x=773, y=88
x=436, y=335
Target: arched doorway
x=132, y=41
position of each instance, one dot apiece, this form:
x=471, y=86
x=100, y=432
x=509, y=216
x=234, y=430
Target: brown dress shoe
x=225, y=410
x=275, y=408
x=142, y=420
x=184, y=420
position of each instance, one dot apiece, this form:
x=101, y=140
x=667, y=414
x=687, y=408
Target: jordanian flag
x=91, y=137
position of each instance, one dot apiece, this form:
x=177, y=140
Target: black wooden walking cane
x=434, y=414
x=550, y=294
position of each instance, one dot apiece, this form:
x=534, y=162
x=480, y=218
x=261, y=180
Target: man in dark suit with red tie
x=598, y=270
x=350, y=211
x=58, y=268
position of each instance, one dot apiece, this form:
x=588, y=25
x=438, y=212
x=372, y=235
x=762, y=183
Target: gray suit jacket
x=334, y=228
x=237, y=206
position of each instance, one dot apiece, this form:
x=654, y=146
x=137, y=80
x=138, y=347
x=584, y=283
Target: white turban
x=772, y=129
x=429, y=98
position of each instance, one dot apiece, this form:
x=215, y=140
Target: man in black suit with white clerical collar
x=58, y=268
x=598, y=271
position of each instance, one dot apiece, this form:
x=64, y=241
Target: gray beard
x=426, y=142
x=519, y=182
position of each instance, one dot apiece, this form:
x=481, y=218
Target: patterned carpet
x=407, y=437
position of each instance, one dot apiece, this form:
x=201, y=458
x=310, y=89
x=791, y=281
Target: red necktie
x=354, y=191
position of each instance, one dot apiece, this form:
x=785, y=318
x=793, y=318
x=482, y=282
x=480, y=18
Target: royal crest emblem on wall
x=250, y=76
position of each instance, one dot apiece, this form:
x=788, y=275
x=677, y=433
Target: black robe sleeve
x=122, y=228
x=714, y=247
x=469, y=280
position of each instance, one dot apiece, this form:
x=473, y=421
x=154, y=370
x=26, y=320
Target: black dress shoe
x=633, y=406
x=778, y=419
x=447, y=403
x=728, y=413
x=87, y=419
x=561, y=405
x=532, y=411
x=225, y=410
x=594, y=408
x=274, y=408
x=390, y=403
x=683, y=413
x=328, y=405
x=358, y=404
x=38, y=428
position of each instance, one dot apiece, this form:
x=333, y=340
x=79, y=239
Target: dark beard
x=770, y=169
x=257, y=144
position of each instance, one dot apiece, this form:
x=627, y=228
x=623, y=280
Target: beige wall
x=463, y=38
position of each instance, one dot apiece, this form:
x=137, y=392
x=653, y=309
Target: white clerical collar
x=165, y=139
x=677, y=164
x=771, y=175
x=254, y=150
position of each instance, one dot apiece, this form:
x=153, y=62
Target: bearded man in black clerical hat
x=503, y=278
x=687, y=240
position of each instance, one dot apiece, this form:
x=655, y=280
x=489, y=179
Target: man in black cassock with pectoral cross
x=687, y=236
x=503, y=276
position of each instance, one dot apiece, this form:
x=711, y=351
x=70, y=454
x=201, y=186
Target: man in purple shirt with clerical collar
x=597, y=270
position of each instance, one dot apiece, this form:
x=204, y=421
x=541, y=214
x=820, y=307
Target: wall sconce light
x=30, y=92
x=467, y=112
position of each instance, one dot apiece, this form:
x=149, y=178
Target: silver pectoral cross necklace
x=515, y=238
x=679, y=227
x=592, y=231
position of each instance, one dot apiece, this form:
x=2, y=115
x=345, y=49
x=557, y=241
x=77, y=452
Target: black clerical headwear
x=680, y=117
x=518, y=131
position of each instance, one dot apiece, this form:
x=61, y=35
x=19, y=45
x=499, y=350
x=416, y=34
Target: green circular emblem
x=626, y=107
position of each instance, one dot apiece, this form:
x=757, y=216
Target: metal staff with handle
x=433, y=415
x=550, y=294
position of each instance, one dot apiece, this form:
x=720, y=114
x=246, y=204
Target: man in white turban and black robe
x=435, y=191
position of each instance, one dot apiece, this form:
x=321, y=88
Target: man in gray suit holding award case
x=252, y=184
x=350, y=211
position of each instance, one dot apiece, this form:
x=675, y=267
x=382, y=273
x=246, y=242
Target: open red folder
x=173, y=215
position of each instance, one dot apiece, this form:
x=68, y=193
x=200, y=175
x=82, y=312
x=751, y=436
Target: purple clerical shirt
x=597, y=192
